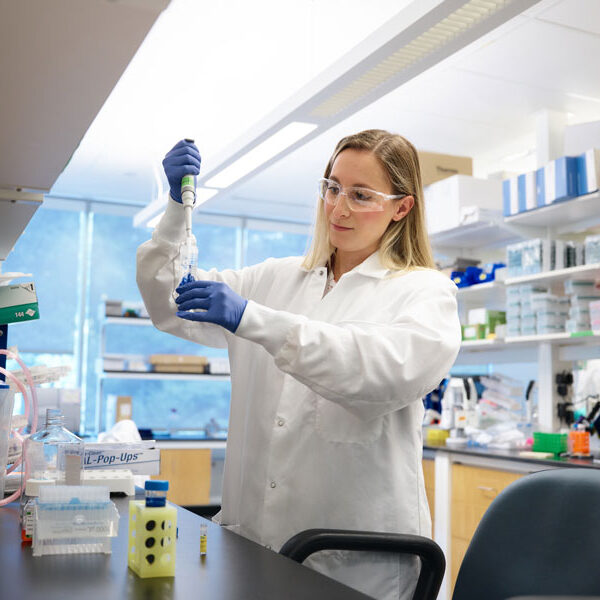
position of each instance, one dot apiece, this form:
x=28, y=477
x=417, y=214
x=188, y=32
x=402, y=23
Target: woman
x=330, y=356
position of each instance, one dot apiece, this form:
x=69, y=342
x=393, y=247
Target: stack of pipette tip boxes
x=583, y=296
x=74, y=519
x=152, y=533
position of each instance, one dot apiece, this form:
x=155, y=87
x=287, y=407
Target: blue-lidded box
x=527, y=191
x=588, y=171
x=510, y=196
x=561, y=179
x=540, y=187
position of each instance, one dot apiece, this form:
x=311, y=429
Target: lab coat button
x=268, y=546
x=273, y=484
x=281, y=422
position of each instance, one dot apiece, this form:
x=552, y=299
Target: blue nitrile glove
x=222, y=305
x=182, y=159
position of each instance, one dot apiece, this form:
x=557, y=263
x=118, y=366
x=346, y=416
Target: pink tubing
x=34, y=410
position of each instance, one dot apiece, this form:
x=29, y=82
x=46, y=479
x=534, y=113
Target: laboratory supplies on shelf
x=152, y=533
x=482, y=323
x=561, y=179
x=530, y=257
x=588, y=171
x=595, y=315
x=18, y=302
x=592, y=249
x=178, y=363
x=125, y=308
x=450, y=199
x=473, y=275
x=71, y=519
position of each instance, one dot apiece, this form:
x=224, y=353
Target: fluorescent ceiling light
x=420, y=36
x=203, y=194
x=260, y=154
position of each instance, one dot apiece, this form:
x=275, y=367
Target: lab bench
x=234, y=568
x=461, y=483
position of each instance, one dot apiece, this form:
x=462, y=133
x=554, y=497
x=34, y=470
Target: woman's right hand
x=182, y=159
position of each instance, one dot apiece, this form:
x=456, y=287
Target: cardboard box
x=435, y=167
x=178, y=359
x=446, y=199
x=473, y=332
x=18, y=303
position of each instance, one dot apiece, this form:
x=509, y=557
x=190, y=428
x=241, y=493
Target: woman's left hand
x=219, y=303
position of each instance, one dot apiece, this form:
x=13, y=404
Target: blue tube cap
x=156, y=485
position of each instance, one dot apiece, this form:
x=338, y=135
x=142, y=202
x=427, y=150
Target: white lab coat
x=325, y=418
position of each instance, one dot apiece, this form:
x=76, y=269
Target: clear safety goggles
x=359, y=199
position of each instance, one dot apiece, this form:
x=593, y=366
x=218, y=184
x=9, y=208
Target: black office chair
x=433, y=563
x=538, y=537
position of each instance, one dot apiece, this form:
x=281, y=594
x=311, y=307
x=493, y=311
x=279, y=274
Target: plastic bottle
x=52, y=454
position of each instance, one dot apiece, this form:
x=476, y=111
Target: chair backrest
x=538, y=537
x=433, y=563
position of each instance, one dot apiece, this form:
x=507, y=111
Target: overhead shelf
x=570, y=216
x=475, y=235
x=585, y=272
x=483, y=294
x=579, y=346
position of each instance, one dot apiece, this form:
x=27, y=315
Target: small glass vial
x=156, y=493
x=203, y=529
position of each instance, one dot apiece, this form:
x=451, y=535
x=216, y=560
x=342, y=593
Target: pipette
x=188, y=249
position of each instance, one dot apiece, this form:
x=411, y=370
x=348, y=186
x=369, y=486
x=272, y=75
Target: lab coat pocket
x=336, y=424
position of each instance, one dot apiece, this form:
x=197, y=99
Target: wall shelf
x=161, y=376
x=475, y=235
x=483, y=294
x=128, y=321
x=585, y=272
x=570, y=216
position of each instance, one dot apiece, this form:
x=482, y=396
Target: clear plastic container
x=52, y=453
x=578, y=286
x=592, y=249
x=74, y=519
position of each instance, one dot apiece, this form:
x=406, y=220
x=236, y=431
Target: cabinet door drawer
x=479, y=485
x=188, y=473
x=429, y=475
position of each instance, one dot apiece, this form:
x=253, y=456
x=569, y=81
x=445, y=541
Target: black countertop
x=234, y=568
x=556, y=461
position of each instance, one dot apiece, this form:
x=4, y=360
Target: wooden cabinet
x=473, y=489
x=429, y=475
x=188, y=472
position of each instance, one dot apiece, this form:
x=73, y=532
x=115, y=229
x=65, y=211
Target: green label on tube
x=187, y=180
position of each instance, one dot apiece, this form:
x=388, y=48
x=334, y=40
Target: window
x=78, y=259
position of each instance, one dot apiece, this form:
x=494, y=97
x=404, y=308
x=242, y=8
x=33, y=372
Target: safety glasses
x=359, y=199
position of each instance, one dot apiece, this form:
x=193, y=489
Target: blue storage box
x=561, y=179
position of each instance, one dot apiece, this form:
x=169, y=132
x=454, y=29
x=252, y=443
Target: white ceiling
x=480, y=102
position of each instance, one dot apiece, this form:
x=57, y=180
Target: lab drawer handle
x=485, y=488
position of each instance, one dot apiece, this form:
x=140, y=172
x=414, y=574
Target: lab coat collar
x=370, y=267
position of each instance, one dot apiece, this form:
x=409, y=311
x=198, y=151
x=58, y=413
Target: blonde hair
x=405, y=243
